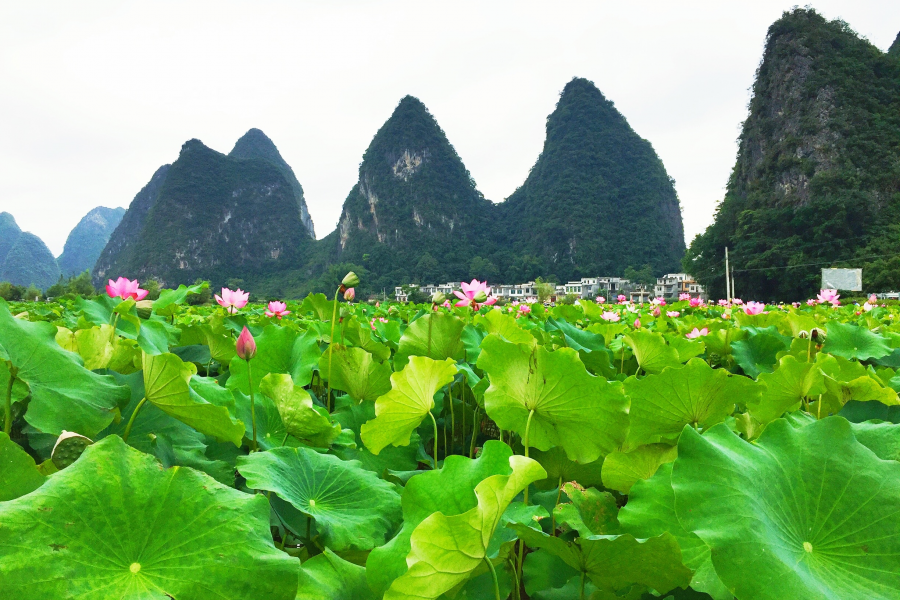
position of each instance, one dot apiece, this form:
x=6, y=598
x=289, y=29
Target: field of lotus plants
x=338, y=450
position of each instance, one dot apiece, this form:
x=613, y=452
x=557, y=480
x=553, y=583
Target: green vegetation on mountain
x=9, y=231
x=29, y=262
x=215, y=217
x=256, y=145
x=598, y=199
x=414, y=198
x=817, y=178
x=87, y=240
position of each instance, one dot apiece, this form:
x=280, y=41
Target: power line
x=814, y=264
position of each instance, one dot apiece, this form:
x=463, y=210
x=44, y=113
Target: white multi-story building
x=590, y=287
x=674, y=284
x=519, y=291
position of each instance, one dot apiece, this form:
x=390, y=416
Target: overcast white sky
x=95, y=96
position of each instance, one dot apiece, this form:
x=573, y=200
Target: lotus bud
x=350, y=280
x=350, y=294
x=344, y=313
x=246, y=345
x=480, y=297
x=438, y=298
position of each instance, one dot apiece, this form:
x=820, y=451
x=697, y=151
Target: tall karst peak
x=210, y=216
x=256, y=144
x=9, y=231
x=817, y=174
x=87, y=240
x=895, y=47
x=598, y=199
x=414, y=200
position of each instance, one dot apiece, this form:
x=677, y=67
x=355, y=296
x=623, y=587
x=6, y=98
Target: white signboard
x=842, y=279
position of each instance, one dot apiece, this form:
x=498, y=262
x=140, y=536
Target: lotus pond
x=361, y=452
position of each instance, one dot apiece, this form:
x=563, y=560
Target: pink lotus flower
x=277, y=309
x=682, y=297
x=695, y=302
x=531, y=300
x=737, y=301
x=658, y=301
x=672, y=313
x=233, y=300
x=349, y=294
x=125, y=289
x=655, y=312
x=246, y=345
x=601, y=300
x=795, y=304
x=754, y=308
x=621, y=298
x=811, y=302
x=524, y=309
x=828, y=296
x=637, y=323
x=697, y=333
x=873, y=299
x=610, y=316
x=723, y=302
x=470, y=290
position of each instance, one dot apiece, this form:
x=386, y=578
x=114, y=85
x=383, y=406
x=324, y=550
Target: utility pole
x=727, y=277
x=732, y=281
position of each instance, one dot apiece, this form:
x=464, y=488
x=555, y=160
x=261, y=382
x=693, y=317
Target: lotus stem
x=525, y=441
x=7, y=423
x=553, y=514
x=435, y=439
x=430, y=323
x=252, y=407
x=474, y=432
x=494, y=577
x=331, y=347
x=581, y=595
x=452, y=416
x=133, y=416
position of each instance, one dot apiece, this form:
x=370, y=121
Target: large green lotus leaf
x=585, y=415
x=319, y=305
x=360, y=334
x=64, y=395
x=559, y=469
x=95, y=345
x=401, y=410
x=494, y=321
x=589, y=511
x=784, y=388
x=156, y=337
x=693, y=394
x=19, y=474
x=544, y=571
x=352, y=416
x=847, y=380
x=651, y=351
x=116, y=525
x=299, y=416
x=621, y=470
x=516, y=512
x=802, y=513
x=352, y=507
x=166, y=386
x=445, y=550
x=270, y=430
x=687, y=349
x=327, y=576
x=858, y=412
x=614, y=562
x=651, y=511
x=169, y=300
x=609, y=331
x=174, y=443
x=572, y=337
x=852, y=341
x=356, y=372
x=449, y=491
x=758, y=353
x=446, y=342
x=278, y=350
x=801, y=322
x=881, y=438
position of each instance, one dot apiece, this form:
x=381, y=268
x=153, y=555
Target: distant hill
x=24, y=258
x=598, y=199
x=209, y=216
x=87, y=240
x=414, y=212
x=817, y=177
x=255, y=144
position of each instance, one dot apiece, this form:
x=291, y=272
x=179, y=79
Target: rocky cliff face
x=598, y=199
x=256, y=145
x=9, y=232
x=208, y=216
x=122, y=249
x=414, y=197
x=87, y=240
x=817, y=175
